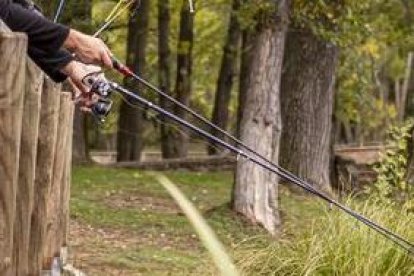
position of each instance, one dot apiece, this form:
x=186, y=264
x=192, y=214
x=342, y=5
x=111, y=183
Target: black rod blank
x=268, y=165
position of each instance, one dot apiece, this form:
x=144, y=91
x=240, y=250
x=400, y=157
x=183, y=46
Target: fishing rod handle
x=121, y=68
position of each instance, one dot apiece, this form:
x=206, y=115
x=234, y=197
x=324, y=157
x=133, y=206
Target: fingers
x=88, y=49
x=106, y=59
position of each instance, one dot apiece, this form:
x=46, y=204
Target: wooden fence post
x=66, y=183
x=27, y=165
x=12, y=78
x=35, y=161
x=49, y=114
x=52, y=249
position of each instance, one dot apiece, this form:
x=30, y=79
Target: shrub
x=391, y=186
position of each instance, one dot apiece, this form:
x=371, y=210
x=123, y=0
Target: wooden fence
x=35, y=162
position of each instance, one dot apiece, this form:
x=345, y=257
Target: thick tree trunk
x=307, y=105
x=247, y=56
x=130, y=123
x=164, y=74
x=256, y=190
x=226, y=76
x=184, y=71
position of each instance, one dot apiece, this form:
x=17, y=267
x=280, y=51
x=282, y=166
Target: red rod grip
x=121, y=68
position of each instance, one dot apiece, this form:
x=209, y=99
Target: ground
x=124, y=223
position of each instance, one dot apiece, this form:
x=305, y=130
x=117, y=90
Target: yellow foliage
x=371, y=48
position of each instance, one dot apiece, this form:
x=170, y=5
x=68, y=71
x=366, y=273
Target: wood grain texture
x=66, y=181
x=49, y=115
x=54, y=202
x=27, y=165
x=12, y=79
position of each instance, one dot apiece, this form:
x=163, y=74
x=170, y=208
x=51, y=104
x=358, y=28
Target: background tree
x=130, y=123
x=183, y=84
x=164, y=75
x=307, y=101
x=256, y=190
x=226, y=76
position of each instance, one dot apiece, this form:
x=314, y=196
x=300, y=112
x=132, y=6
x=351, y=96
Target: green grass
x=98, y=197
x=335, y=244
x=146, y=233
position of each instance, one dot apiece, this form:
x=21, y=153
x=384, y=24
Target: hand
x=76, y=72
x=88, y=49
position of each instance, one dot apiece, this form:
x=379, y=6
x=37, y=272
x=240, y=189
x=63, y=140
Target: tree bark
x=130, y=123
x=256, y=190
x=307, y=104
x=164, y=69
x=227, y=72
x=247, y=56
x=184, y=71
x=401, y=90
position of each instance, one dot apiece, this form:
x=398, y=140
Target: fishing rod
x=59, y=10
x=104, y=107
x=104, y=88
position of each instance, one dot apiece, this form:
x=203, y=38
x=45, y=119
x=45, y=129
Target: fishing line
x=116, y=12
x=59, y=10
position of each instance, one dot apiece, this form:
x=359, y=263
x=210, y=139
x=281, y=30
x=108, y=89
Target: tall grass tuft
x=334, y=244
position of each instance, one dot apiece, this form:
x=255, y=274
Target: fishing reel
x=100, y=94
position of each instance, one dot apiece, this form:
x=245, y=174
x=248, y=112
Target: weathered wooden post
x=27, y=165
x=54, y=206
x=49, y=115
x=65, y=195
x=12, y=80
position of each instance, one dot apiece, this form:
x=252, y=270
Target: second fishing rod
x=257, y=158
x=102, y=87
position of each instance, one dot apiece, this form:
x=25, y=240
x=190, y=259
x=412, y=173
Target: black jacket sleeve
x=51, y=64
x=45, y=38
x=42, y=33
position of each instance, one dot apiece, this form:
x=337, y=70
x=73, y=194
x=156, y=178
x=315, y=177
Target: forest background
x=340, y=71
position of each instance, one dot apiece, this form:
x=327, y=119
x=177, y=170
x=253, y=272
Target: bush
x=391, y=186
x=334, y=244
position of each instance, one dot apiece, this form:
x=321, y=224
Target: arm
x=50, y=37
x=42, y=33
x=46, y=40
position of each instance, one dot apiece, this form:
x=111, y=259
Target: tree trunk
x=256, y=190
x=226, y=76
x=307, y=105
x=246, y=62
x=130, y=123
x=402, y=92
x=184, y=71
x=164, y=74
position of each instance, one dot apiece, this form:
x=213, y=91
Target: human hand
x=76, y=73
x=88, y=49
